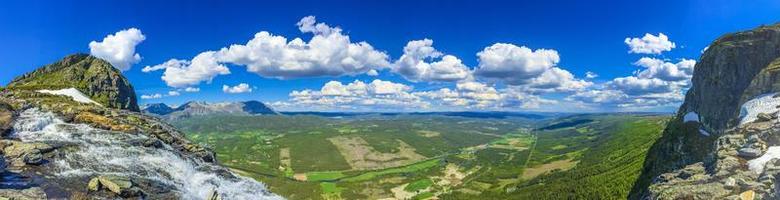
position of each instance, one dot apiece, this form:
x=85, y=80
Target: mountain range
x=198, y=108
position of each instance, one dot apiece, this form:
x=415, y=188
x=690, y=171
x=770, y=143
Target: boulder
x=23, y=153
x=750, y=152
x=6, y=118
x=121, y=186
x=34, y=157
x=151, y=142
x=94, y=184
x=29, y=193
x=115, y=184
x=213, y=195
x=747, y=195
x=763, y=117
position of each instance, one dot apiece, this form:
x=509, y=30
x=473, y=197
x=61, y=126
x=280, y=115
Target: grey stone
x=33, y=158
x=763, y=117
x=750, y=152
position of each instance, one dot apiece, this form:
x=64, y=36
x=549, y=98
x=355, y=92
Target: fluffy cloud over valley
x=650, y=44
x=505, y=76
x=119, y=48
x=329, y=53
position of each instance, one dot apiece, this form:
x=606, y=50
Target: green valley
x=406, y=156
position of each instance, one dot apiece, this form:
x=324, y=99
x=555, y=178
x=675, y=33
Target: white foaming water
x=100, y=152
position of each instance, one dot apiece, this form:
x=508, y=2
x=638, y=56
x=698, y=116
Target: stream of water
x=91, y=152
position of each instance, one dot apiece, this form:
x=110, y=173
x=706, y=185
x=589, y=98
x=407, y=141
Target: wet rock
x=750, y=152
x=22, y=153
x=115, y=184
x=213, y=195
x=34, y=157
x=78, y=196
x=29, y=193
x=153, y=143
x=763, y=117
x=94, y=184
x=118, y=185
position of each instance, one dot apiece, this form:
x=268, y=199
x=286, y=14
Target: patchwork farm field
x=420, y=157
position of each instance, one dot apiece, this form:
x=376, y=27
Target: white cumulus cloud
x=183, y=73
x=240, y=88
x=191, y=89
x=415, y=64
x=656, y=68
x=591, y=75
x=650, y=44
x=529, y=70
x=329, y=53
x=513, y=64
x=151, y=96
x=119, y=48
x=358, y=95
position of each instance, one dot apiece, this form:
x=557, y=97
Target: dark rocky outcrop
x=735, y=68
x=6, y=118
x=92, y=76
x=685, y=164
x=256, y=107
x=157, y=108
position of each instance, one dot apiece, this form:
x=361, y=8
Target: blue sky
x=585, y=36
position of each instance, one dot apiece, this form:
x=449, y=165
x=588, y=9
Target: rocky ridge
x=30, y=164
x=92, y=76
x=715, y=155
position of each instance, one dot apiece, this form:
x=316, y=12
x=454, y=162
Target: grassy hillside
x=608, y=162
x=419, y=157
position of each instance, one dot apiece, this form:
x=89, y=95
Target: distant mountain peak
x=158, y=108
x=192, y=108
x=92, y=76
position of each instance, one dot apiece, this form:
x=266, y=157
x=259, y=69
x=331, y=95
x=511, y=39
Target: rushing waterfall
x=88, y=152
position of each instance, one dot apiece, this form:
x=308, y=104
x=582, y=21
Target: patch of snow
x=704, y=132
x=72, y=93
x=757, y=165
x=765, y=103
x=691, y=117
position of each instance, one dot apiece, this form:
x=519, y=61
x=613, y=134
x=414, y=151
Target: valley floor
x=412, y=157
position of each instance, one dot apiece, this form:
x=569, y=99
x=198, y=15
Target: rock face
x=735, y=68
x=685, y=164
x=6, y=118
x=195, y=108
x=92, y=76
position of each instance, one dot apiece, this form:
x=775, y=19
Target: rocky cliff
x=727, y=122
x=67, y=145
x=93, y=76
